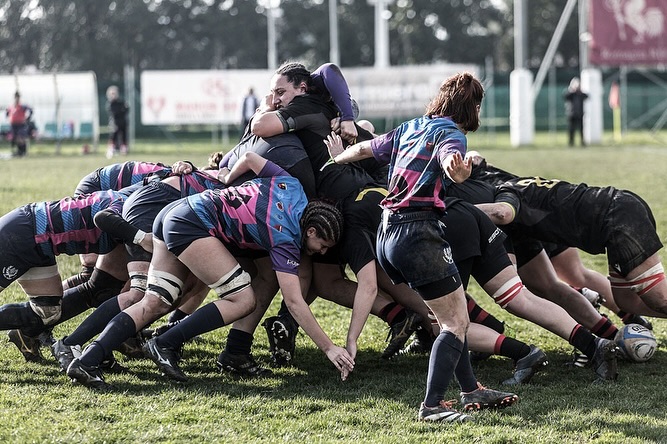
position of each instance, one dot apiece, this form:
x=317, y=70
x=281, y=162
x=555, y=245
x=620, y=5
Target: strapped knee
x=138, y=281
x=508, y=291
x=233, y=282
x=48, y=308
x=643, y=283
x=165, y=286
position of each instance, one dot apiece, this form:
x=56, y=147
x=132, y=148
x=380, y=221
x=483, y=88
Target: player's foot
x=400, y=332
x=110, y=365
x=65, y=354
x=241, y=365
x=527, y=366
x=27, y=345
x=281, y=331
x=592, y=296
x=132, y=347
x=166, y=359
x=90, y=377
x=442, y=412
x=484, y=398
x=110, y=151
x=604, y=359
x=636, y=319
x=123, y=150
x=421, y=344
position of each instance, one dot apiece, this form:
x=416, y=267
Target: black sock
x=444, y=358
x=480, y=316
x=239, y=342
x=583, y=340
x=605, y=329
x=511, y=348
x=118, y=331
x=19, y=315
x=73, y=304
x=177, y=315
x=392, y=313
x=94, y=323
x=205, y=319
x=463, y=371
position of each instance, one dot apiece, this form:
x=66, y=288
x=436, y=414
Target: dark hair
x=458, y=98
x=295, y=73
x=214, y=160
x=325, y=218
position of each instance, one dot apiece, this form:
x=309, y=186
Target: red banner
x=628, y=32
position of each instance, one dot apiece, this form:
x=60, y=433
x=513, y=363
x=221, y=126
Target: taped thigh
x=37, y=273
x=233, y=282
x=165, y=286
x=643, y=283
x=508, y=291
x=48, y=308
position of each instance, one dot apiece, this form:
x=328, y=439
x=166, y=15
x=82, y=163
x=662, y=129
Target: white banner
x=215, y=96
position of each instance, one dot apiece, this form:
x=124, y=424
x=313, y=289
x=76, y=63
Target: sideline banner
x=628, y=32
x=215, y=96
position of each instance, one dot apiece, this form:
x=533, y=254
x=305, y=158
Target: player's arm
x=339, y=154
x=503, y=211
x=110, y=221
x=364, y=297
x=267, y=121
x=249, y=161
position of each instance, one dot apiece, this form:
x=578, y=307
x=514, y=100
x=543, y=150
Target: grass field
x=308, y=402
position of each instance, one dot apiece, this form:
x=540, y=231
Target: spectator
x=250, y=104
x=19, y=115
x=574, y=110
x=117, y=109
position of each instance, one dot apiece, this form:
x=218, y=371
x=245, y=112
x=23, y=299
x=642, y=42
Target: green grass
x=309, y=403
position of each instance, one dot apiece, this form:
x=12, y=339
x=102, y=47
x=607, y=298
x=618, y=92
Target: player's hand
x=348, y=131
x=341, y=359
x=181, y=167
x=334, y=144
x=458, y=169
x=335, y=125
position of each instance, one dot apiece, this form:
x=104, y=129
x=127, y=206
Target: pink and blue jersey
x=415, y=152
x=121, y=175
x=198, y=181
x=260, y=214
x=66, y=226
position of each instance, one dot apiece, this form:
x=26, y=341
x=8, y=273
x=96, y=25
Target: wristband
x=140, y=236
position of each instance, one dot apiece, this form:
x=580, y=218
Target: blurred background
x=201, y=56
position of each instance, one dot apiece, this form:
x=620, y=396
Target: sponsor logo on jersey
x=494, y=235
x=294, y=264
x=9, y=272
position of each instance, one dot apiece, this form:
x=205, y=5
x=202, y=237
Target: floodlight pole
x=522, y=102
x=334, y=52
x=272, y=53
x=381, y=33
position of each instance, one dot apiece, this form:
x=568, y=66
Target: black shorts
x=89, y=184
x=411, y=248
x=631, y=232
x=18, y=250
x=143, y=206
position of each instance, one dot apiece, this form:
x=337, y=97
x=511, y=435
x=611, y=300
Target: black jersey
x=309, y=116
x=559, y=211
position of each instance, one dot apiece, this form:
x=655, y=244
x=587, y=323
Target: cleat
x=46, y=338
x=484, y=398
x=65, y=354
x=636, y=319
x=27, y=345
x=443, y=412
x=527, y=366
x=281, y=330
x=400, y=332
x=420, y=345
x=241, y=365
x=579, y=360
x=110, y=365
x=604, y=360
x=166, y=360
x=592, y=296
x=90, y=377
x=132, y=347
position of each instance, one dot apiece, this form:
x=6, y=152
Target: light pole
x=381, y=32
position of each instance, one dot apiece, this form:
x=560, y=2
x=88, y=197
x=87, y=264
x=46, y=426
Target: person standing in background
x=19, y=115
x=117, y=110
x=248, y=108
x=574, y=110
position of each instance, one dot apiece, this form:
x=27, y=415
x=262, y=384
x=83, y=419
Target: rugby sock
x=239, y=342
x=177, y=315
x=480, y=316
x=117, y=331
x=392, y=313
x=445, y=355
x=604, y=328
x=205, y=319
x=463, y=371
x=583, y=340
x=72, y=305
x=511, y=348
x=19, y=315
x=80, y=277
x=94, y=323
